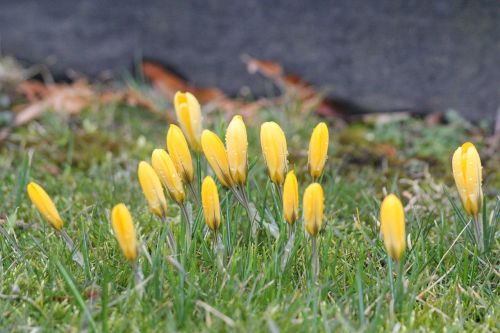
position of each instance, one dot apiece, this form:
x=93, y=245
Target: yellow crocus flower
x=274, y=149
x=152, y=189
x=124, y=230
x=291, y=198
x=188, y=113
x=210, y=202
x=237, y=146
x=45, y=205
x=166, y=171
x=179, y=152
x=392, y=226
x=467, y=171
x=318, y=150
x=313, y=206
x=216, y=155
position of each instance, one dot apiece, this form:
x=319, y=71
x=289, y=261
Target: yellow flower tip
x=210, y=203
x=313, y=206
x=166, y=171
x=188, y=113
x=124, y=230
x=152, y=189
x=467, y=172
x=237, y=149
x=318, y=150
x=291, y=198
x=179, y=152
x=392, y=226
x=274, y=150
x=216, y=155
x=44, y=205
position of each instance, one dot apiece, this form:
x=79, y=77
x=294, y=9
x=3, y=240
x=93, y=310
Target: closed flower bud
x=274, y=149
x=313, y=206
x=124, y=230
x=318, y=150
x=166, y=171
x=216, y=155
x=237, y=146
x=179, y=152
x=45, y=206
x=291, y=198
x=188, y=113
x=467, y=172
x=210, y=202
x=392, y=226
x=151, y=187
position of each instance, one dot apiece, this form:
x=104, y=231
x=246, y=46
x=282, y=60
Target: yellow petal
x=467, y=172
x=313, y=206
x=318, y=150
x=459, y=175
x=291, y=198
x=210, y=203
x=188, y=113
x=124, y=230
x=151, y=187
x=179, y=152
x=274, y=150
x=237, y=146
x=216, y=155
x=392, y=226
x=166, y=171
x=45, y=205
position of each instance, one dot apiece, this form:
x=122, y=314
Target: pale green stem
x=138, y=277
x=188, y=225
x=76, y=255
x=315, y=259
x=170, y=238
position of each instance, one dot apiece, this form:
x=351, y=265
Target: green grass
x=88, y=164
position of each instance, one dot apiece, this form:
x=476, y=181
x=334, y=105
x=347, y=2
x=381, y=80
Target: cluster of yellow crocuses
x=173, y=168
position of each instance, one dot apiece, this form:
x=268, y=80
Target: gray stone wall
x=381, y=54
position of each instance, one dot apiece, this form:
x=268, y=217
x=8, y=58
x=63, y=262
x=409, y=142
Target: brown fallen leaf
x=311, y=99
x=169, y=83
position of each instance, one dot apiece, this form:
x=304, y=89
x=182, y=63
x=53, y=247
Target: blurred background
x=415, y=56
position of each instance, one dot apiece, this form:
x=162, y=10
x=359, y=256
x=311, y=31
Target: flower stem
x=138, y=277
x=478, y=231
x=391, y=283
x=188, y=225
x=194, y=193
x=76, y=255
x=315, y=259
x=170, y=238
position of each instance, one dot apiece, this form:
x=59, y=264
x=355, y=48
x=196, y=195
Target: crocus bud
x=166, y=171
x=151, y=187
x=216, y=155
x=318, y=150
x=45, y=205
x=210, y=202
x=273, y=142
x=291, y=198
x=392, y=226
x=188, y=113
x=179, y=152
x=313, y=208
x=467, y=172
x=237, y=146
x=124, y=230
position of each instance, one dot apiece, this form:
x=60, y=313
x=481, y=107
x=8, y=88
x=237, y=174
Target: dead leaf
x=311, y=99
x=169, y=83
x=163, y=80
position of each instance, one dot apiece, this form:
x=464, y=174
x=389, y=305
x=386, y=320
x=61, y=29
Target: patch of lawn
x=88, y=164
